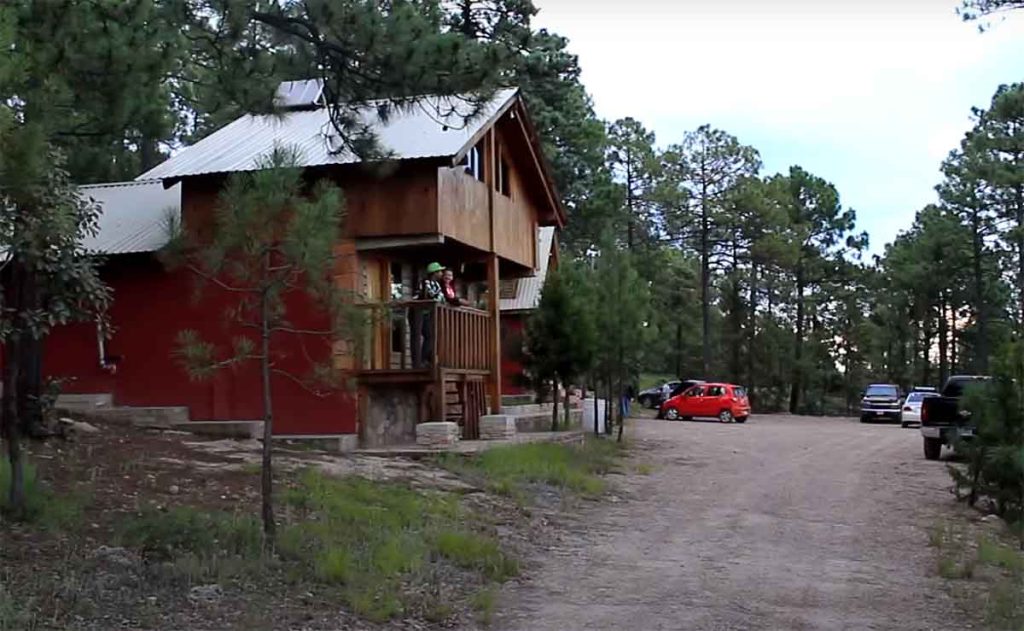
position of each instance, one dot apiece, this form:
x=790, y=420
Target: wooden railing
x=456, y=337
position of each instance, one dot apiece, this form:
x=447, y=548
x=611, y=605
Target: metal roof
x=528, y=289
x=433, y=128
x=135, y=215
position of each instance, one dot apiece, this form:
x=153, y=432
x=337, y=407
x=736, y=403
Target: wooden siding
x=515, y=224
x=401, y=203
x=462, y=204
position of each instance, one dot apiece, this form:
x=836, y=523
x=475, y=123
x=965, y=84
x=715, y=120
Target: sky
x=869, y=94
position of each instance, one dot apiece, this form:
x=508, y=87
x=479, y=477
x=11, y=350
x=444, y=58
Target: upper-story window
x=474, y=163
x=503, y=185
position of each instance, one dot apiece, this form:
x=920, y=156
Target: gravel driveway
x=782, y=523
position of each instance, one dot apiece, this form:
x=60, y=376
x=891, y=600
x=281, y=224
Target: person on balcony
x=448, y=287
x=430, y=289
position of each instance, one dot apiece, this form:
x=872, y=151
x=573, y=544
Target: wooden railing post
x=494, y=341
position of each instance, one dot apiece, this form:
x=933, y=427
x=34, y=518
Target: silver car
x=912, y=408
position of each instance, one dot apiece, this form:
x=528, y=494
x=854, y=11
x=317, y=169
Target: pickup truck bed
x=942, y=422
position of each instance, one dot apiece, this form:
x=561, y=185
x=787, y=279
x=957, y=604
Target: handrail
x=456, y=337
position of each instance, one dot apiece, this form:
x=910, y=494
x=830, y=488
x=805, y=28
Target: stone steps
x=541, y=422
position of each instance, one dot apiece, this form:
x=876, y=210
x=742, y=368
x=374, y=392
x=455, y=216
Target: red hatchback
x=724, y=401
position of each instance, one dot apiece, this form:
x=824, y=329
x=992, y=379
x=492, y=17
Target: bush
x=995, y=457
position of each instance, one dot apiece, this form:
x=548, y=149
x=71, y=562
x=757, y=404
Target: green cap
x=435, y=267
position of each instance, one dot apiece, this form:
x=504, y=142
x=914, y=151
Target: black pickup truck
x=942, y=419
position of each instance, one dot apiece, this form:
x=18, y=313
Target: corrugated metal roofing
x=528, y=289
x=434, y=128
x=135, y=215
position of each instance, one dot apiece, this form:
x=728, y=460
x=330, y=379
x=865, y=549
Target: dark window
x=695, y=392
x=474, y=163
x=882, y=391
x=503, y=185
x=716, y=391
x=739, y=393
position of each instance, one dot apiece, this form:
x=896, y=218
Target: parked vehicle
x=880, y=401
x=925, y=389
x=653, y=397
x=912, y=407
x=943, y=422
x=725, y=401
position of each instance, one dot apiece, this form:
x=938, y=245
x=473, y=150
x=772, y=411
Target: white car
x=912, y=408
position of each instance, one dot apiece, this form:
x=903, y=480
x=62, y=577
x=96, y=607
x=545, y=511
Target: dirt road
x=781, y=523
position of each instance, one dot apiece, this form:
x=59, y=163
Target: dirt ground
x=781, y=523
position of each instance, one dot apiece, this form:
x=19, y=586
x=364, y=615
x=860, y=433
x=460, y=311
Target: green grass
x=1001, y=556
x=184, y=531
x=14, y=616
x=367, y=537
x=43, y=508
x=508, y=469
x=652, y=380
x=484, y=603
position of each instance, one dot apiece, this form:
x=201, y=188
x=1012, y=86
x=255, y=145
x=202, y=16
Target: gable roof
x=434, y=128
x=134, y=215
x=528, y=289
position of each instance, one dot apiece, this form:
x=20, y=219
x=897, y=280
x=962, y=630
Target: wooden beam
x=493, y=280
x=539, y=165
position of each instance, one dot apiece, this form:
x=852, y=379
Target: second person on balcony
x=448, y=287
x=430, y=289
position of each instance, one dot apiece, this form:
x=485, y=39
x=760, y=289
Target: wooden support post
x=494, y=343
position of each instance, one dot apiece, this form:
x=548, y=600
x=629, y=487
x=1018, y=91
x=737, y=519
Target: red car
x=725, y=401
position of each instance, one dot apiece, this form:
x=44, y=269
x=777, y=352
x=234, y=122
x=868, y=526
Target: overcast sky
x=869, y=94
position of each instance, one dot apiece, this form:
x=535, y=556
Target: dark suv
x=880, y=401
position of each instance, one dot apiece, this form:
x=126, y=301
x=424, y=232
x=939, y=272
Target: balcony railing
x=424, y=335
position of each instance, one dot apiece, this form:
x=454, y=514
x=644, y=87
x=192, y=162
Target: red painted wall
x=512, y=324
x=150, y=307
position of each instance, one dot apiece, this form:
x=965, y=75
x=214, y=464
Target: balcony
x=413, y=340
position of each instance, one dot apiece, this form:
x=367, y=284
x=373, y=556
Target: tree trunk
x=752, y=334
x=679, y=350
x=10, y=424
x=596, y=406
x=554, y=404
x=705, y=282
x=943, y=341
x=267, y=478
x=981, y=309
x=796, y=387
x=566, y=410
x=1020, y=258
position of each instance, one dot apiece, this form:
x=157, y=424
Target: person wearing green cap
x=431, y=290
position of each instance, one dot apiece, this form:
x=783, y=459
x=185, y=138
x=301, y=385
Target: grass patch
x=484, y=603
x=644, y=469
x=366, y=537
x=996, y=554
x=14, y=616
x=43, y=508
x=508, y=469
x=183, y=531
x=949, y=568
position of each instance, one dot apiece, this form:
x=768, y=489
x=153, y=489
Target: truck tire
x=932, y=448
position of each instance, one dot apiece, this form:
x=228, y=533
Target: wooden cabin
x=470, y=194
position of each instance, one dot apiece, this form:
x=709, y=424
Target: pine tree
x=273, y=240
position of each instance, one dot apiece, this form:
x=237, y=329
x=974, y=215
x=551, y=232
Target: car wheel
x=646, y=402
x=932, y=448
x=725, y=416
x=741, y=419
x=672, y=414
x=904, y=425
x=865, y=419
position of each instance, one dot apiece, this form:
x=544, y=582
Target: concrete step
x=170, y=417
x=84, y=402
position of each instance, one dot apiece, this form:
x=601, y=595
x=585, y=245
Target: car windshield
x=880, y=391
